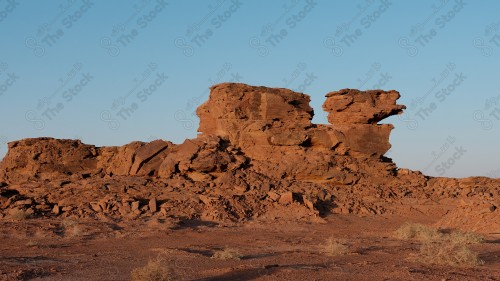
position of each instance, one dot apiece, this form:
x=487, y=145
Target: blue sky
x=110, y=72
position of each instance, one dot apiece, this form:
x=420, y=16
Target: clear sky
x=110, y=72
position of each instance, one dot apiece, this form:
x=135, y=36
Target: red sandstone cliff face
x=258, y=151
x=273, y=128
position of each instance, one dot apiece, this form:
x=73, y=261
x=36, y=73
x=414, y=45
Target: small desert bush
x=445, y=253
x=460, y=237
x=429, y=234
x=442, y=248
x=335, y=247
x=227, y=254
x=155, y=270
x=417, y=231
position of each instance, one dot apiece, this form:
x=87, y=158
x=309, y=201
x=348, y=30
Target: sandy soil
x=280, y=250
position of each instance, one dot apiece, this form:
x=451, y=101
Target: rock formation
x=257, y=151
x=271, y=127
x=356, y=114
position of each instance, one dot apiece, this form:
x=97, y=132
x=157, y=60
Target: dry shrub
x=155, y=270
x=461, y=237
x=419, y=232
x=440, y=248
x=445, y=253
x=227, y=254
x=335, y=247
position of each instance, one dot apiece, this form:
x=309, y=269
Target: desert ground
x=261, y=194
x=275, y=250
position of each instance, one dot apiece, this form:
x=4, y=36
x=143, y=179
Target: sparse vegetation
x=227, y=254
x=445, y=253
x=442, y=248
x=155, y=270
x=335, y=247
x=418, y=232
x=460, y=237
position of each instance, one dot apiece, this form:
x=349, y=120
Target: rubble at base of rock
x=258, y=156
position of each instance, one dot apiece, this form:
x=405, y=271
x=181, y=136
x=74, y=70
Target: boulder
x=47, y=158
x=349, y=106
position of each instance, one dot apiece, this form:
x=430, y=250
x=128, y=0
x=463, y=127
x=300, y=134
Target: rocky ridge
x=258, y=156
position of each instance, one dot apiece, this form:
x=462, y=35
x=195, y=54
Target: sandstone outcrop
x=273, y=128
x=257, y=154
x=133, y=159
x=356, y=114
x=349, y=106
x=47, y=158
x=268, y=128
